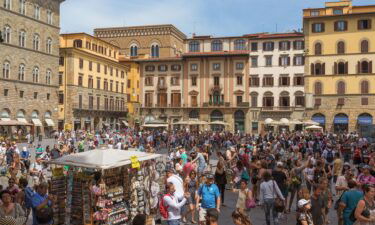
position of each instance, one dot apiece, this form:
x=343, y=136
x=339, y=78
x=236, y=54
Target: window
x=268, y=46
x=77, y=43
x=284, y=99
x=298, y=60
x=80, y=101
x=90, y=82
x=364, y=24
x=365, y=87
x=341, y=68
x=194, y=46
x=254, y=99
x=268, y=60
x=284, y=60
x=36, y=75
x=175, y=81
x=298, y=80
x=61, y=61
x=317, y=27
x=134, y=50
x=268, y=99
x=36, y=12
x=299, y=99
x=298, y=45
x=21, y=94
x=98, y=67
x=49, y=46
x=6, y=70
x=36, y=42
x=365, y=67
x=111, y=85
x=364, y=101
x=35, y=95
x=49, y=17
x=122, y=74
x=6, y=91
x=341, y=47
x=81, y=63
x=318, y=88
x=149, y=99
x=239, y=99
x=176, y=67
x=318, y=48
x=216, y=45
x=7, y=4
x=193, y=81
x=48, y=77
x=155, y=51
x=149, y=81
x=88, y=45
x=341, y=25
x=22, y=8
x=341, y=88
x=314, y=13
x=7, y=34
x=122, y=87
x=284, y=45
x=216, y=66
x=129, y=83
x=21, y=72
x=239, y=66
x=194, y=100
x=239, y=45
x=163, y=68
x=364, y=46
x=117, y=86
x=105, y=85
x=150, y=68
x=48, y=96
x=254, y=61
x=254, y=46
x=216, y=81
x=254, y=81
x=194, y=67
x=318, y=68
x=337, y=11
x=176, y=99
x=268, y=81
x=90, y=65
x=239, y=80
x=284, y=81
x=80, y=80
x=22, y=39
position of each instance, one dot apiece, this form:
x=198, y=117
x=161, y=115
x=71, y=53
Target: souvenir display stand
x=129, y=183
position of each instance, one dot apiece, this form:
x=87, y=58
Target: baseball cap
x=209, y=176
x=302, y=203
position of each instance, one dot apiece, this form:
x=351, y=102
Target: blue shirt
x=351, y=199
x=35, y=202
x=209, y=194
x=25, y=154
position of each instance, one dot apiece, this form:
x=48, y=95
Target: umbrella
x=314, y=127
x=219, y=123
x=284, y=121
x=310, y=122
x=268, y=121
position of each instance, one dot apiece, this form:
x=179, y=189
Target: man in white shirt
x=174, y=205
x=177, y=182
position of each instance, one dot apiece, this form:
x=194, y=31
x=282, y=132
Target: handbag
x=279, y=203
x=337, y=203
x=250, y=202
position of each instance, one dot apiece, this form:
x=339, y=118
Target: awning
x=125, y=123
x=14, y=123
x=37, y=122
x=50, y=123
x=365, y=120
x=154, y=125
x=106, y=124
x=5, y=119
x=319, y=119
x=341, y=120
x=23, y=120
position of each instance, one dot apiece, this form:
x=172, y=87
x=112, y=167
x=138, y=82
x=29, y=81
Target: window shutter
x=359, y=25
x=359, y=67
x=288, y=61
x=335, y=26
x=294, y=60
x=280, y=81
x=288, y=81
x=312, y=68
x=303, y=44
x=313, y=28
x=346, y=25
x=264, y=46
x=346, y=68
x=271, y=81
x=294, y=81
x=369, y=24
x=272, y=46
x=335, y=68
x=303, y=60
x=272, y=101
x=249, y=82
x=294, y=45
x=280, y=45
x=279, y=61
x=288, y=45
x=323, y=27
x=257, y=81
x=264, y=101
x=370, y=67
x=323, y=68
x=264, y=81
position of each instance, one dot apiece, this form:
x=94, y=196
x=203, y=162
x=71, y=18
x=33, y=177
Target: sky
x=202, y=17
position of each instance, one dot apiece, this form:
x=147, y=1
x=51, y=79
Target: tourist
x=174, y=205
x=139, y=219
x=244, y=193
x=212, y=217
x=317, y=205
x=221, y=179
x=349, y=201
x=365, y=210
x=191, y=185
x=41, y=200
x=8, y=208
x=304, y=216
x=365, y=177
x=239, y=218
x=178, y=183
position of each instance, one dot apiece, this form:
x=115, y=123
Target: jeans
x=173, y=222
x=269, y=205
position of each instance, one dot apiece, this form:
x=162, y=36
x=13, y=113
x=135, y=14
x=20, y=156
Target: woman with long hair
x=221, y=179
x=240, y=219
x=191, y=185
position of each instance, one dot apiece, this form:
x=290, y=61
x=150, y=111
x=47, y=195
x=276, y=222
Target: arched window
x=318, y=88
x=6, y=69
x=364, y=46
x=21, y=72
x=7, y=34
x=216, y=45
x=284, y=99
x=155, y=51
x=318, y=68
x=342, y=68
x=365, y=66
x=22, y=39
x=341, y=88
x=35, y=114
x=318, y=48
x=48, y=76
x=216, y=115
x=268, y=100
x=194, y=46
x=341, y=47
x=194, y=114
x=365, y=87
x=49, y=46
x=254, y=99
x=299, y=98
x=36, y=75
x=133, y=50
x=22, y=8
x=239, y=44
x=36, y=42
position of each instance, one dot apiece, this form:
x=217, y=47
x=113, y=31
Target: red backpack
x=163, y=209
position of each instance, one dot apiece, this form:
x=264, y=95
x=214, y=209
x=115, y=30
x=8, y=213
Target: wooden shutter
x=303, y=60
x=294, y=60
x=272, y=46
x=264, y=81
x=370, y=67
x=359, y=25
x=345, y=25
x=369, y=23
x=294, y=81
x=323, y=68
x=280, y=81
x=364, y=101
x=346, y=68
x=294, y=45
x=288, y=61
x=312, y=68
x=264, y=46
x=280, y=45
x=341, y=101
x=257, y=81
x=323, y=27
x=336, y=25
x=303, y=44
x=280, y=61
x=313, y=27
x=288, y=45
x=288, y=81
x=271, y=79
x=359, y=67
x=335, y=68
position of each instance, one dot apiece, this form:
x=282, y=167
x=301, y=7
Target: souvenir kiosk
x=106, y=186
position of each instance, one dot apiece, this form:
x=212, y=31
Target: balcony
x=243, y=104
x=216, y=104
x=277, y=109
x=85, y=108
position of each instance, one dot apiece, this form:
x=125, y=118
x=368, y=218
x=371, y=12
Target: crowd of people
x=307, y=173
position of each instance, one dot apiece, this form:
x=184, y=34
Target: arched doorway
x=319, y=118
x=239, y=121
x=176, y=126
x=364, y=122
x=216, y=115
x=340, y=123
x=194, y=114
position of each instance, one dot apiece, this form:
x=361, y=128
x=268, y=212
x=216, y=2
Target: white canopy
x=154, y=125
x=314, y=127
x=310, y=122
x=284, y=121
x=103, y=159
x=218, y=122
x=295, y=121
x=268, y=121
x=191, y=122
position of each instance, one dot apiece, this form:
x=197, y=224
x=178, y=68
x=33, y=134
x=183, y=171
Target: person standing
x=349, y=201
x=210, y=195
x=243, y=194
x=337, y=167
x=221, y=179
x=365, y=211
x=317, y=206
x=174, y=205
x=41, y=200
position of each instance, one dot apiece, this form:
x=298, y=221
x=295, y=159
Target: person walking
x=365, y=211
x=244, y=193
x=173, y=205
x=349, y=201
x=191, y=184
x=221, y=179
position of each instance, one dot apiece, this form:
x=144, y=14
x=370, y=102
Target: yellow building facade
x=92, y=84
x=340, y=47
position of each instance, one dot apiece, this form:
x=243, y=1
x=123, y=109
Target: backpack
x=29, y=193
x=163, y=209
x=329, y=156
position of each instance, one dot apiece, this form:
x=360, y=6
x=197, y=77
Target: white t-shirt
x=178, y=185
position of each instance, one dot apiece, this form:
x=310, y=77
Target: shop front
x=364, y=121
x=341, y=123
x=319, y=118
x=37, y=123
x=216, y=115
x=239, y=121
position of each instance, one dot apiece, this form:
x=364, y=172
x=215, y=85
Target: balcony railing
x=243, y=104
x=276, y=109
x=85, y=107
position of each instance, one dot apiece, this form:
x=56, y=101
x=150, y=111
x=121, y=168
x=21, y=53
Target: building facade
x=92, y=93
x=29, y=58
x=276, y=77
x=339, y=65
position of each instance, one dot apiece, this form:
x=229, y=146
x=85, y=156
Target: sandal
x=193, y=222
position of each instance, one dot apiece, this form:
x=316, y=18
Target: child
x=304, y=216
